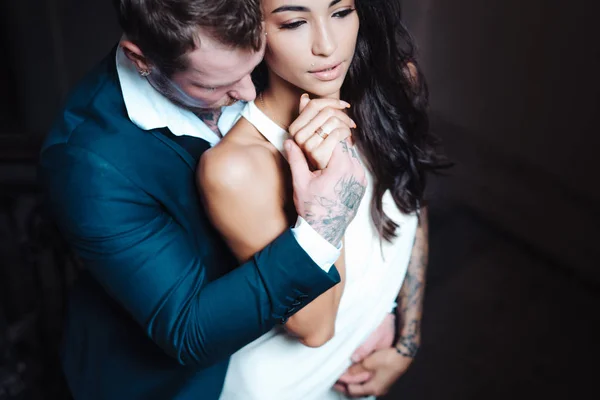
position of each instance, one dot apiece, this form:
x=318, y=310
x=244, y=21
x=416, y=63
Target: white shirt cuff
x=323, y=253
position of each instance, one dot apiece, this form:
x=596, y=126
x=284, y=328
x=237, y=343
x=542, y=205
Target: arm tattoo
x=330, y=217
x=410, y=298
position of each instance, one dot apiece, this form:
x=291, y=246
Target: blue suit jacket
x=161, y=304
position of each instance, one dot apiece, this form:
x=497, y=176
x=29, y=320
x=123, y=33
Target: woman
x=357, y=51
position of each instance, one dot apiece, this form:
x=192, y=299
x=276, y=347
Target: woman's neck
x=280, y=101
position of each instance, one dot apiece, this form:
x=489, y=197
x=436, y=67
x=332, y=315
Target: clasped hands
x=321, y=125
x=376, y=364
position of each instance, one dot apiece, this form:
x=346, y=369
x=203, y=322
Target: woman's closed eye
x=292, y=25
x=343, y=13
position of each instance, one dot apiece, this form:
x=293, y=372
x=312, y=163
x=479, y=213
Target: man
x=119, y=171
x=118, y=167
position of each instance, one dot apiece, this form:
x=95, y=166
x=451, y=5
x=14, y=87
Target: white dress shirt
x=148, y=109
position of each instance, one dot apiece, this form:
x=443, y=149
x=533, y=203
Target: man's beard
x=169, y=89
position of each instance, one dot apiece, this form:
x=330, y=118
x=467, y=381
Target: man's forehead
x=219, y=65
x=205, y=60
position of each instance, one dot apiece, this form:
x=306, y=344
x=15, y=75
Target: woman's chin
x=325, y=91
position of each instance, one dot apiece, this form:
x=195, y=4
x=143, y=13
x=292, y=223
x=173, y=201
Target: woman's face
x=310, y=43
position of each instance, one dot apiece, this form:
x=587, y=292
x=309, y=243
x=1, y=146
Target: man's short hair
x=166, y=30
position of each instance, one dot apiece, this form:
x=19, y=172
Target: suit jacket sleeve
x=149, y=264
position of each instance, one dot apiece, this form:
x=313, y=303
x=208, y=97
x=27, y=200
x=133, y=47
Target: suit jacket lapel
x=189, y=148
x=194, y=146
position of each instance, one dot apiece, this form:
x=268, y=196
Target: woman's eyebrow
x=299, y=8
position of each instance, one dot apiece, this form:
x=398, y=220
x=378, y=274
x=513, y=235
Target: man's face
x=217, y=75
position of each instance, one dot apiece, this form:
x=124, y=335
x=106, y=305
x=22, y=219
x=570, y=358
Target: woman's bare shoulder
x=239, y=163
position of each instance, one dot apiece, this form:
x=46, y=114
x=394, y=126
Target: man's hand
x=327, y=199
x=385, y=367
x=381, y=338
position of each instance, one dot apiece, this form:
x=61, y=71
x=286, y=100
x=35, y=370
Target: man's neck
x=210, y=118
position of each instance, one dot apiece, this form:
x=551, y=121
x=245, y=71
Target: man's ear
x=135, y=55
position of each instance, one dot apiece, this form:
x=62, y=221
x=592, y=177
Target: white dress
x=277, y=367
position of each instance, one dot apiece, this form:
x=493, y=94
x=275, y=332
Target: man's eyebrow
x=299, y=8
x=222, y=85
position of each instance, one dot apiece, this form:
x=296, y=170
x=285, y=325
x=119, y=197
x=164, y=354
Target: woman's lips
x=328, y=73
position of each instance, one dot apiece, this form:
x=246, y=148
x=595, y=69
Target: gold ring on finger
x=322, y=133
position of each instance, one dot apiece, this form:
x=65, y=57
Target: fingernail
x=287, y=145
x=345, y=104
x=304, y=95
x=353, y=124
x=355, y=358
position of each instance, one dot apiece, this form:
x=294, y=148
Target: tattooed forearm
x=410, y=298
x=330, y=217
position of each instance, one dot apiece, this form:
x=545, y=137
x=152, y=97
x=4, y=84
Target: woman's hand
x=378, y=373
x=321, y=125
x=381, y=338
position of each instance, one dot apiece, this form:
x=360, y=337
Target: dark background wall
x=46, y=46
x=515, y=91
x=49, y=45
x=515, y=95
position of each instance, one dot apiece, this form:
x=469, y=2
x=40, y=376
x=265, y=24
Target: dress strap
x=266, y=126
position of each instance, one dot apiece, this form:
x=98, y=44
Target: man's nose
x=244, y=90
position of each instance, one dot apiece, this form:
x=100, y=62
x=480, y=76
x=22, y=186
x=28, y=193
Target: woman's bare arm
x=410, y=298
x=243, y=189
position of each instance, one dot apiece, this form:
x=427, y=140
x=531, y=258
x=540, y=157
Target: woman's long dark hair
x=389, y=101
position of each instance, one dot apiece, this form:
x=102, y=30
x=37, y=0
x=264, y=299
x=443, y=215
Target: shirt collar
x=148, y=109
